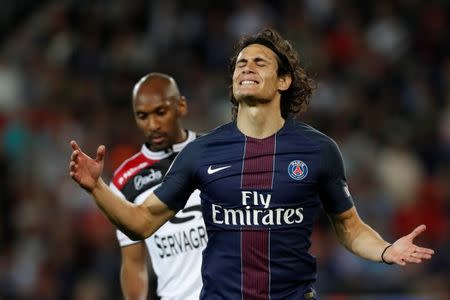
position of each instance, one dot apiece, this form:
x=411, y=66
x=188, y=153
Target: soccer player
x=263, y=179
x=176, y=248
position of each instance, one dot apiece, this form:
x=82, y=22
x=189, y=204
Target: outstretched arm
x=365, y=242
x=137, y=221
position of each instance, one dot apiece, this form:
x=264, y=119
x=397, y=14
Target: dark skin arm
x=134, y=272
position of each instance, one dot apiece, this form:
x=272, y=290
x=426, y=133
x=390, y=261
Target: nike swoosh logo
x=212, y=171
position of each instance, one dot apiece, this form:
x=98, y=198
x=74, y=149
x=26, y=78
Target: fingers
x=100, y=153
x=74, y=159
x=72, y=168
x=74, y=145
x=424, y=252
x=407, y=259
x=417, y=257
x=421, y=256
x=419, y=229
x=414, y=255
x=412, y=260
x=74, y=155
x=404, y=251
x=76, y=151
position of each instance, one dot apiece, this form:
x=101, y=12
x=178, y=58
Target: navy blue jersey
x=259, y=198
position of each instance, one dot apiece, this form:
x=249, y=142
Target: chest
x=271, y=173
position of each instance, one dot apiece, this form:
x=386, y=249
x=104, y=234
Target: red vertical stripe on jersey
x=257, y=173
x=255, y=265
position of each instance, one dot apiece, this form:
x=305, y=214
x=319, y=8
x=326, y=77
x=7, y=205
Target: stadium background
x=67, y=69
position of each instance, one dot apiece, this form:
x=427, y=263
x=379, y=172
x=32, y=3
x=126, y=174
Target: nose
x=153, y=123
x=248, y=68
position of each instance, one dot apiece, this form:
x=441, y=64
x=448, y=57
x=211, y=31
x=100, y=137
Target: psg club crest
x=297, y=169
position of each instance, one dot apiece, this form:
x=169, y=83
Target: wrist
x=383, y=254
x=98, y=186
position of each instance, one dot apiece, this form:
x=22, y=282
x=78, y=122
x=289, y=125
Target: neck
x=182, y=136
x=261, y=120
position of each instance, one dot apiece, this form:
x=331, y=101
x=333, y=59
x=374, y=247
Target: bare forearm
x=137, y=221
x=129, y=218
x=358, y=237
x=367, y=244
x=134, y=283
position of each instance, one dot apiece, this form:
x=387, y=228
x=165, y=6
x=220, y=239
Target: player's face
x=255, y=75
x=158, y=117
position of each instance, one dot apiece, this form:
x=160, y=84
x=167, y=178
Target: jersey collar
x=158, y=155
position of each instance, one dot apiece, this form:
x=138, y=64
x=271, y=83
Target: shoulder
x=129, y=168
x=311, y=134
x=217, y=133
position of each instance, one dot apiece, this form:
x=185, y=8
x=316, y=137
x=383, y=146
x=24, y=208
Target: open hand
x=85, y=170
x=404, y=251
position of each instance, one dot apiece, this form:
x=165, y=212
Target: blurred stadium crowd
x=67, y=69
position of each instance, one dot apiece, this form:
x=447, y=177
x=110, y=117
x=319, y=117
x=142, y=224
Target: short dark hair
x=297, y=96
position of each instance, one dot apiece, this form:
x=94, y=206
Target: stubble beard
x=251, y=100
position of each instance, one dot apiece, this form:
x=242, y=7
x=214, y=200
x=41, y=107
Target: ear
x=284, y=82
x=182, y=107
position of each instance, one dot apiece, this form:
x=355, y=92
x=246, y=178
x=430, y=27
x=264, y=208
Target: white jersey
x=176, y=248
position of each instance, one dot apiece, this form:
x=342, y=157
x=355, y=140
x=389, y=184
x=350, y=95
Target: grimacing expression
x=158, y=117
x=255, y=75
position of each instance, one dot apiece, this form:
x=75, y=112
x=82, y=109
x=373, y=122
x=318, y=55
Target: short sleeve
x=179, y=182
x=334, y=192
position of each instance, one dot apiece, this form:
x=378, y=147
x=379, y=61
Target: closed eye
x=261, y=62
x=141, y=115
x=161, y=112
x=241, y=63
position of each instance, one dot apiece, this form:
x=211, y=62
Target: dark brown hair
x=297, y=96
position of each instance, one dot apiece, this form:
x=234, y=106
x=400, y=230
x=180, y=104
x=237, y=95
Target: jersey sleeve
x=334, y=192
x=179, y=182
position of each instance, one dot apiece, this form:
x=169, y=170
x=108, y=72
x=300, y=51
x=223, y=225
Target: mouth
x=157, y=138
x=248, y=82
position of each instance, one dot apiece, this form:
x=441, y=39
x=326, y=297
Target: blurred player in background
x=263, y=179
x=175, y=249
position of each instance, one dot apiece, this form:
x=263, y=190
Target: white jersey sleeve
x=122, y=238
